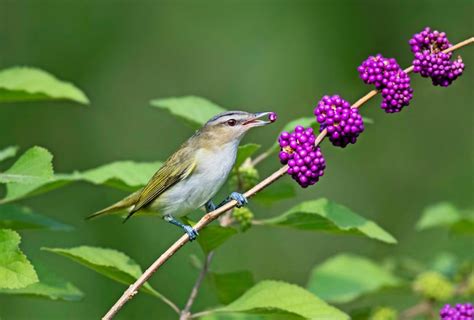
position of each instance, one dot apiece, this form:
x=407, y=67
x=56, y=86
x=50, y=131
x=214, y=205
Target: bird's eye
x=231, y=122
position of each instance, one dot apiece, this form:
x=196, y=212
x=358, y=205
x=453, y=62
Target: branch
x=211, y=216
x=186, y=313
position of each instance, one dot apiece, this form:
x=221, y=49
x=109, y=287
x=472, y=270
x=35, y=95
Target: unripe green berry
x=244, y=217
x=384, y=313
x=244, y=178
x=433, y=285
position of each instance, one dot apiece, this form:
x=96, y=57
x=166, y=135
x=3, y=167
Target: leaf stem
x=211, y=216
x=186, y=312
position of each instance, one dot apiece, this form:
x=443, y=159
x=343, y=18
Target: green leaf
x=18, y=217
x=33, y=174
x=50, y=286
x=212, y=237
x=229, y=286
x=346, y=277
x=328, y=216
x=290, y=126
x=368, y=120
x=276, y=192
x=446, y=215
x=30, y=84
x=32, y=170
x=245, y=152
x=15, y=269
x=196, y=111
x=8, y=152
x=234, y=316
x=108, y=262
x=275, y=297
x=125, y=175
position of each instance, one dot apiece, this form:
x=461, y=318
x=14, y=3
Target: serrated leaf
x=245, y=152
x=32, y=170
x=196, y=111
x=231, y=285
x=19, y=217
x=108, y=262
x=327, y=216
x=8, y=152
x=126, y=175
x=276, y=192
x=212, y=237
x=31, y=84
x=15, y=269
x=276, y=297
x=446, y=215
x=290, y=126
x=50, y=286
x=346, y=277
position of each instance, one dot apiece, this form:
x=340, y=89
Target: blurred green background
x=252, y=55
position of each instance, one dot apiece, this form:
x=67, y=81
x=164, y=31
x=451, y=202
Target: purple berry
x=457, y=312
x=390, y=79
x=305, y=161
x=272, y=117
x=343, y=123
x=430, y=61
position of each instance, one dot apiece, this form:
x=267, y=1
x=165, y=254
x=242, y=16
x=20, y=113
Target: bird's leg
x=239, y=197
x=192, y=233
x=210, y=206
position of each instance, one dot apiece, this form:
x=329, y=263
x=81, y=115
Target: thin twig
x=211, y=216
x=423, y=308
x=170, y=303
x=186, y=312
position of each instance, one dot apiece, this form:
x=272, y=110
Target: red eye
x=231, y=122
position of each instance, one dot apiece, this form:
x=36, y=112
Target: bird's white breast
x=212, y=169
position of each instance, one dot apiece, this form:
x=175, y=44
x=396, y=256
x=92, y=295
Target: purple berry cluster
x=430, y=61
x=343, y=123
x=388, y=77
x=457, y=312
x=305, y=161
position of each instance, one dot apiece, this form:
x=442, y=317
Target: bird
x=192, y=176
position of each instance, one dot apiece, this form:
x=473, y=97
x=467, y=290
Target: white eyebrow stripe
x=237, y=115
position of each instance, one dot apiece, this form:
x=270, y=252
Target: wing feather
x=178, y=167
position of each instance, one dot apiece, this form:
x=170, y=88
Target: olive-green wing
x=177, y=168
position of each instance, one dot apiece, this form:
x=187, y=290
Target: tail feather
x=124, y=204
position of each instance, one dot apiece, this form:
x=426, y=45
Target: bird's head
x=232, y=125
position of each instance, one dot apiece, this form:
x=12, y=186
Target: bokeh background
x=251, y=55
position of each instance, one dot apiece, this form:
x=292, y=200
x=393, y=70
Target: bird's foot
x=210, y=206
x=240, y=198
x=190, y=231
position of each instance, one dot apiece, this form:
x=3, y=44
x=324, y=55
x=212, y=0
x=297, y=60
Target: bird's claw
x=191, y=232
x=240, y=198
x=210, y=206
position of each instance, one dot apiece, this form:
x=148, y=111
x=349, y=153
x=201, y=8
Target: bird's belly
x=190, y=193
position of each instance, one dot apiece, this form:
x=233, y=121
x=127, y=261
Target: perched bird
x=193, y=174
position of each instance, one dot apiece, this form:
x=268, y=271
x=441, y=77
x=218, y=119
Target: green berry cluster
x=244, y=217
x=433, y=285
x=384, y=313
x=245, y=177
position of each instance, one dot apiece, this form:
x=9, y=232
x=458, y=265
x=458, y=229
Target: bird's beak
x=256, y=119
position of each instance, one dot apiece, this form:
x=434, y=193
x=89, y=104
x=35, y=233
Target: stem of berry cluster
x=211, y=216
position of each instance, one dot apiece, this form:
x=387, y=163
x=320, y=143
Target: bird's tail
x=124, y=204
